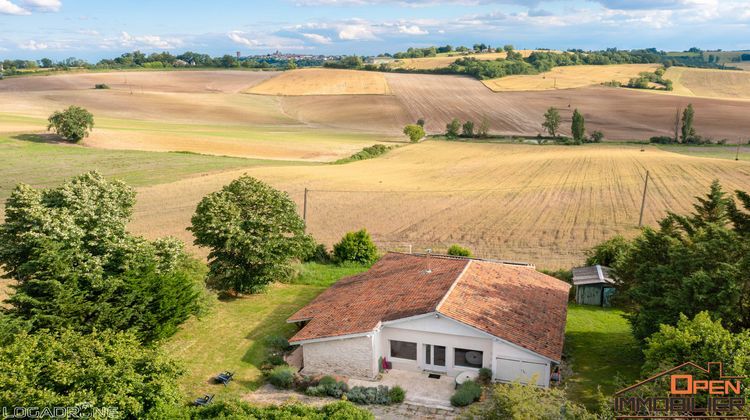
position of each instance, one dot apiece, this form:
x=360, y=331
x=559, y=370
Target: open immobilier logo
x=704, y=393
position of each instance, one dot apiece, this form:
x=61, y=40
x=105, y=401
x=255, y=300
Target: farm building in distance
x=594, y=285
x=439, y=315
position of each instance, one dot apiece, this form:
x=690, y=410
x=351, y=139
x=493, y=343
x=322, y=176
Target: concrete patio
x=420, y=389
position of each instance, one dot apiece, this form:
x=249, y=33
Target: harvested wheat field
x=544, y=204
x=323, y=82
x=568, y=77
x=709, y=83
x=621, y=114
x=445, y=60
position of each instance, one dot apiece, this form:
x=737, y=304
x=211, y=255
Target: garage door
x=509, y=370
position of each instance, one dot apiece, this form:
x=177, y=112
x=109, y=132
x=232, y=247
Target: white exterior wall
x=446, y=332
x=360, y=356
x=352, y=357
x=501, y=349
x=436, y=331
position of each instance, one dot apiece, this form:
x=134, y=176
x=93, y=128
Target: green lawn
x=32, y=160
x=599, y=345
x=600, y=348
x=711, y=151
x=232, y=336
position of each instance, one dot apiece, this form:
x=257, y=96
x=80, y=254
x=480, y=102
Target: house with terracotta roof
x=437, y=314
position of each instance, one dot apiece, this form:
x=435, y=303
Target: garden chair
x=204, y=400
x=224, y=377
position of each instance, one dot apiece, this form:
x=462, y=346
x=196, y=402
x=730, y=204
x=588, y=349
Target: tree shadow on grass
x=47, y=138
x=274, y=324
x=601, y=359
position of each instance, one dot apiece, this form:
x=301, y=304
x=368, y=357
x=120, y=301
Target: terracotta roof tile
x=514, y=303
x=395, y=287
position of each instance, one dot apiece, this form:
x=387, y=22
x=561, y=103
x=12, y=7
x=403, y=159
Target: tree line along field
x=446, y=59
x=543, y=204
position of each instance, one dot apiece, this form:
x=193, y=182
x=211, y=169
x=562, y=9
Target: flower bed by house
x=283, y=376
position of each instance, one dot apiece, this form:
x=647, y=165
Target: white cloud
x=33, y=45
x=355, y=32
x=412, y=30
x=8, y=8
x=43, y=5
x=238, y=37
x=317, y=38
x=148, y=41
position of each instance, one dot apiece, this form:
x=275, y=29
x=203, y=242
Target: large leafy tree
x=102, y=369
x=700, y=340
x=253, y=232
x=688, y=131
x=72, y=124
x=551, y=121
x=78, y=267
x=691, y=263
x=578, y=127
x=415, y=132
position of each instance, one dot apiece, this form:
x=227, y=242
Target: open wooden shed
x=594, y=285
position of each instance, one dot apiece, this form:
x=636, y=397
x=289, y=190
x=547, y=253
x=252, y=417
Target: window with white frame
x=468, y=358
x=403, y=350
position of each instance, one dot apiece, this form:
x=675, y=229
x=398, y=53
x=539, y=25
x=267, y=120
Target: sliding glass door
x=434, y=357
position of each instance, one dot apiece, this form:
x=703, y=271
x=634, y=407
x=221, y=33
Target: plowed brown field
x=621, y=114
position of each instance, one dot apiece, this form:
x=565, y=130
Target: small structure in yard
x=438, y=314
x=594, y=285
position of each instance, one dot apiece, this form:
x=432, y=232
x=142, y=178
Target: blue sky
x=94, y=29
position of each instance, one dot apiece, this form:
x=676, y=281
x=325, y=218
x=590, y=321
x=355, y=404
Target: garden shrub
x=328, y=386
x=356, y=247
x=318, y=254
x=233, y=409
x=282, y=377
x=327, y=381
x=517, y=401
x=467, y=393
x=459, y=251
x=275, y=360
x=278, y=343
x=397, y=395
x=485, y=375
x=369, y=395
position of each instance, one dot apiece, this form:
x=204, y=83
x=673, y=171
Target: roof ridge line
x=458, y=257
x=453, y=285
